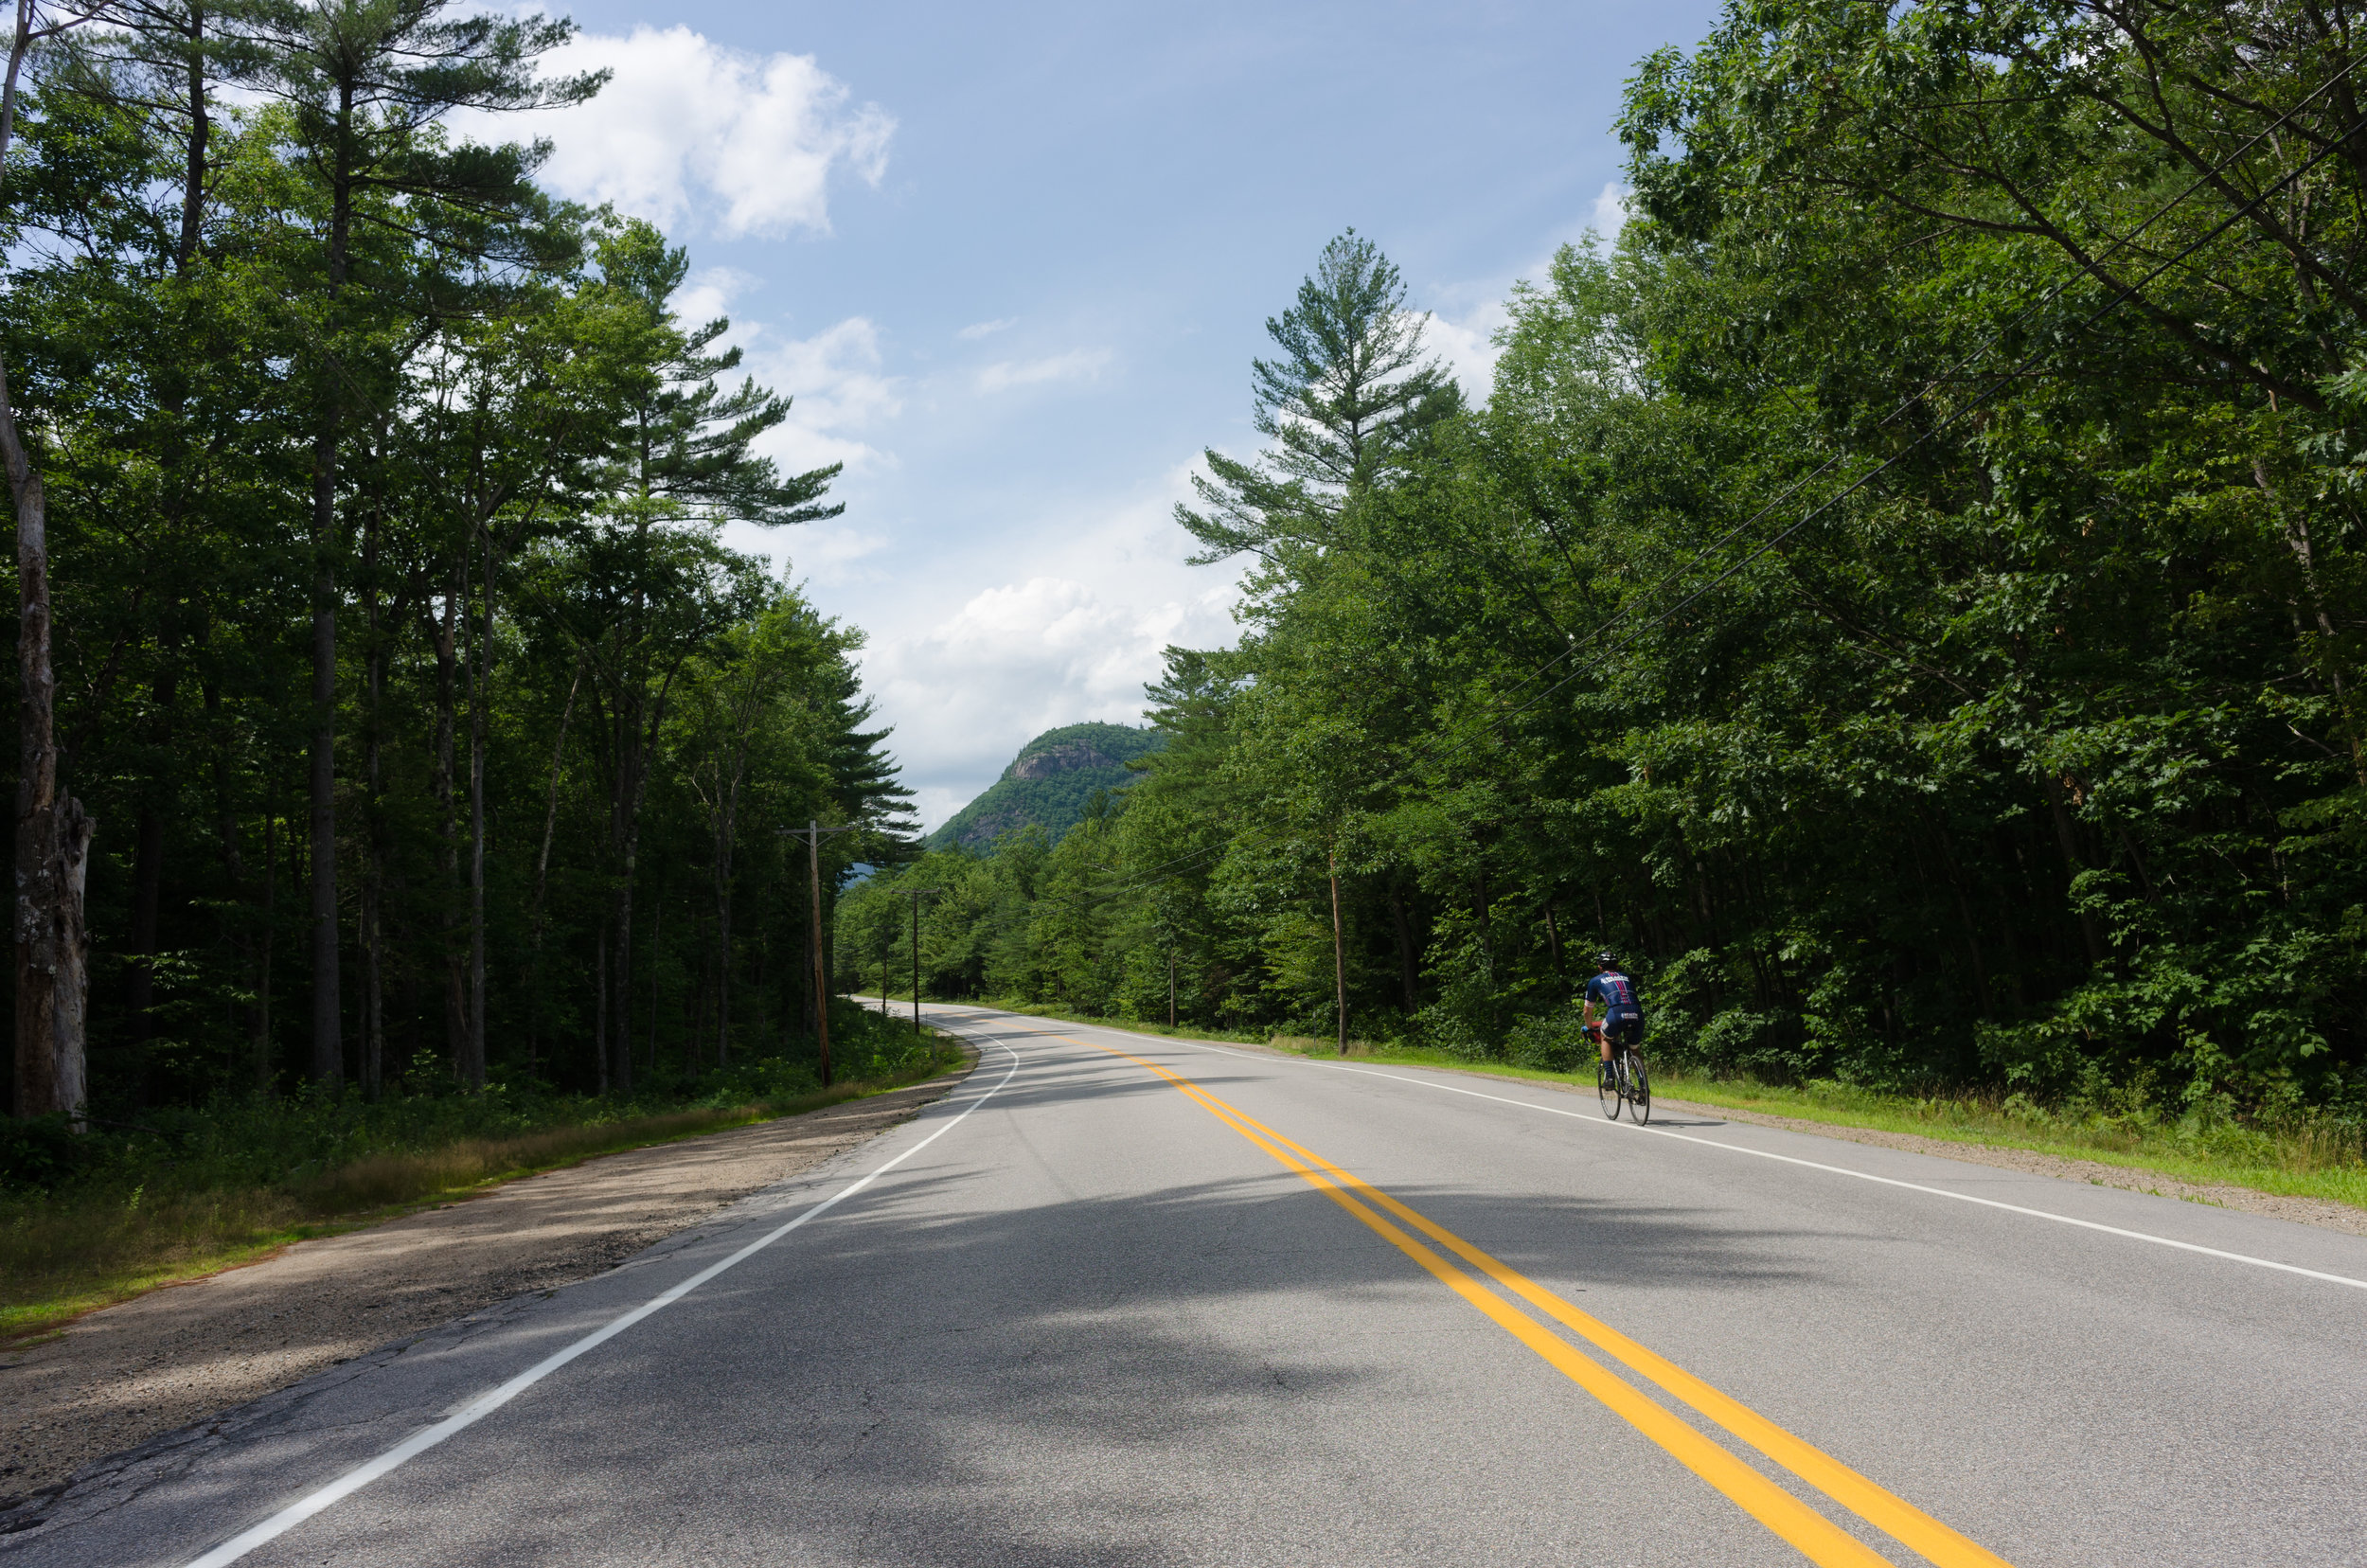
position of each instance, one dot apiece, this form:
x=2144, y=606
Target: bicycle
x=1631, y=1082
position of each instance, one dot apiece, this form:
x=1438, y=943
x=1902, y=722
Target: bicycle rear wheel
x=1639, y=1090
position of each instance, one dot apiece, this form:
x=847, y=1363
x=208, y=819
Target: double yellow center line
x=1817, y=1538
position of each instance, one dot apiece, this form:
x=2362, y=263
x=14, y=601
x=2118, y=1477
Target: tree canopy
x=433, y=734
x=1903, y=595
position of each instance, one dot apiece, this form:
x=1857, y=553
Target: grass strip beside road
x=2303, y=1160
x=63, y=1257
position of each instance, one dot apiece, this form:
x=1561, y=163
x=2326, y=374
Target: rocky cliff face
x=1048, y=784
x=1068, y=757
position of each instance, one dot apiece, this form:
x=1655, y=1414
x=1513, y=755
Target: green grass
x=94, y=1242
x=2304, y=1158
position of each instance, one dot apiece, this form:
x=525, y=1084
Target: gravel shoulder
x=168, y=1359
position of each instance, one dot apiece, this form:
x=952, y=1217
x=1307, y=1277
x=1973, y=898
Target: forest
x=393, y=716
x=1902, y=594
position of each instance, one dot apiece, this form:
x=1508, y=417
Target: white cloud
x=1466, y=340
x=1104, y=592
x=1076, y=365
x=689, y=130
x=839, y=393
x=1021, y=658
x=1611, y=211
x=709, y=292
x=977, y=329
x=1468, y=347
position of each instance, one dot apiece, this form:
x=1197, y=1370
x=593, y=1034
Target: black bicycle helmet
x=1607, y=960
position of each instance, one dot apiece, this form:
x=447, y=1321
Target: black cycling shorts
x=1625, y=1031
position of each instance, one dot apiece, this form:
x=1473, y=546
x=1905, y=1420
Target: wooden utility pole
x=1171, y=988
x=814, y=834
x=915, y=895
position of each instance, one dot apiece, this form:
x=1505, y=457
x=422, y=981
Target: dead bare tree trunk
x=53, y=832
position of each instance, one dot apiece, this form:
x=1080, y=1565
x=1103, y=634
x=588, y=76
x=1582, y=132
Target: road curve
x=1128, y=1300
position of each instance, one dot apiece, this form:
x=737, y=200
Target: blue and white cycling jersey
x=1612, y=991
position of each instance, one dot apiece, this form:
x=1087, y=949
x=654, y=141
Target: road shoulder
x=168, y=1359
x=2319, y=1212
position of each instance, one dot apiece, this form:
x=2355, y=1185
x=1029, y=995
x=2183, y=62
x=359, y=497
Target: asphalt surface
x=1095, y=1317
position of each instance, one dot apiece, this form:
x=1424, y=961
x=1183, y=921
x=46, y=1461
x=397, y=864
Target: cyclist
x=1623, y=1014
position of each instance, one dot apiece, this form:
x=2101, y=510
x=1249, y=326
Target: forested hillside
x=1048, y=784
x=430, y=732
x=1905, y=595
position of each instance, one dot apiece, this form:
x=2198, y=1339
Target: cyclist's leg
x=1628, y=1032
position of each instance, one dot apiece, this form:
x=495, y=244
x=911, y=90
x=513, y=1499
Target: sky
x=1012, y=263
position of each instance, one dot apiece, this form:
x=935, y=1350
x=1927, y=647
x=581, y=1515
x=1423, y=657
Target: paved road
x=1122, y=1300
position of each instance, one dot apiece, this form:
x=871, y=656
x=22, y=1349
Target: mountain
x=1048, y=783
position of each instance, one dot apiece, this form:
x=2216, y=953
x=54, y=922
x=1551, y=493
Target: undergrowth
x=90, y=1218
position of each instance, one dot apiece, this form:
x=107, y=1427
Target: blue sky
x=1013, y=263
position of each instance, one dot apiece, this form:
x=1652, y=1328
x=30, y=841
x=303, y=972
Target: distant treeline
x=1904, y=595
x=430, y=730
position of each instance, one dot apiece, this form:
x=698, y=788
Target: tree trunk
x=623, y=846
x=1407, y=971
x=543, y=865
x=448, y=632
x=480, y=693
x=2068, y=842
x=53, y=833
x=264, y=1069
x=328, y=1044
x=657, y=935
x=1339, y=959
x=373, y=915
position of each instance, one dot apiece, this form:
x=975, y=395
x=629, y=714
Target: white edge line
x=1762, y=1155
x=485, y=1405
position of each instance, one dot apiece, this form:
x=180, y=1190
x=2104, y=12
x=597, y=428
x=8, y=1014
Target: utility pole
x=1171, y=988
x=915, y=895
x=813, y=832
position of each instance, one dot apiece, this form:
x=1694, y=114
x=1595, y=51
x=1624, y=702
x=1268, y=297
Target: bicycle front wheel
x=1606, y=1086
x=1639, y=1090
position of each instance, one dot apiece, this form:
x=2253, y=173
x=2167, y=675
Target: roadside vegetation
x=433, y=731
x=90, y=1218
x=2313, y=1153
x=1903, y=593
